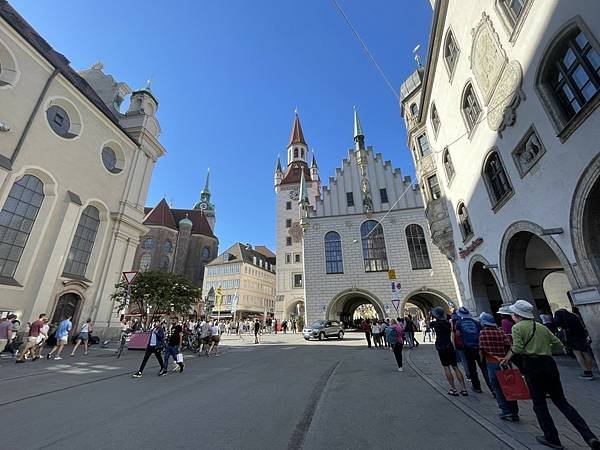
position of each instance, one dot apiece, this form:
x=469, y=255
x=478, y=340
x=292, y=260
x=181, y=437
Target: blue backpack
x=469, y=330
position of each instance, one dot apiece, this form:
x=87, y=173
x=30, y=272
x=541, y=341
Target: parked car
x=322, y=329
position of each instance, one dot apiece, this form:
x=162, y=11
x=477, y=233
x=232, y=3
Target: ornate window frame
x=496, y=204
x=434, y=117
x=563, y=126
x=522, y=148
x=465, y=236
x=470, y=127
x=451, y=70
x=449, y=177
x=513, y=28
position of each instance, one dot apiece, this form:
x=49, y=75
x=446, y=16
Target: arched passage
x=528, y=260
x=295, y=309
x=425, y=301
x=345, y=305
x=485, y=291
x=591, y=227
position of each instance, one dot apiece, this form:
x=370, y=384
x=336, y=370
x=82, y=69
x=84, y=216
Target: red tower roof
x=296, y=137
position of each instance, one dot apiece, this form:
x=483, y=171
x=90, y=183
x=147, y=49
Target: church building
x=365, y=242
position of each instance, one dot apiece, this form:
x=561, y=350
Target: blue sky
x=228, y=75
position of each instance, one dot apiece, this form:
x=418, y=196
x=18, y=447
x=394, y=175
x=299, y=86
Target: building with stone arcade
x=503, y=125
x=74, y=175
x=369, y=220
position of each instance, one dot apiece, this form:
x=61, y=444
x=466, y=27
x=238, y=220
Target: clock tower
x=290, y=260
x=205, y=205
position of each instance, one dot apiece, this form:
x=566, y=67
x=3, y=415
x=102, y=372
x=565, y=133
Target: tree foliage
x=156, y=292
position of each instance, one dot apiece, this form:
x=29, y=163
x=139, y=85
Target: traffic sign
x=130, y=277
x=396, y=304
x=392, y=274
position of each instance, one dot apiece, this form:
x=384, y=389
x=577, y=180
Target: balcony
x=441, y=227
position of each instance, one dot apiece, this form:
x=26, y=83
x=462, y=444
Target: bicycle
x=125, y=336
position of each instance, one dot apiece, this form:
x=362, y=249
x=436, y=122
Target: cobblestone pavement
x=583, y=394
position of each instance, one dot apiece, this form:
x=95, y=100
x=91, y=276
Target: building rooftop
x=163, y=215
x=412, y=83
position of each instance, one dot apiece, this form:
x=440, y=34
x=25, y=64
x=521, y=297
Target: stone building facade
x=502, y=122
x=74, y=175
x=290, y=271
x=179, y=240
x=369, y=220
x=246, y=278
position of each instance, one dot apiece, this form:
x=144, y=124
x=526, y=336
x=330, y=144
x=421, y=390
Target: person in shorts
x=446, y=353
x=204, y=330
x=5, y=332
x=62, y=337
x=84, y=336
x=32, y=335
x=215, y=337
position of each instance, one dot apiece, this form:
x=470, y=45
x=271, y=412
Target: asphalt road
x=283, y=394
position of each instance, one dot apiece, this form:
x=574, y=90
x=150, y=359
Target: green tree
x=156, y=292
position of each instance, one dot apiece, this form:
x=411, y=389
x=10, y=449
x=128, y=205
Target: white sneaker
x=400, y=369
x=57, y=357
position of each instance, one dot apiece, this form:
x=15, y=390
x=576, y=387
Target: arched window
x=334, y=262
x=373, y=245
x=571, y=73
x=168, y=246
x=16, y=221
x=464, y=222
x=435, y=119
x=448, y=165
x=302, y=153
x=470, y=107
x=414, y=109
x=149, y=243
x=450, y=52
x=496, y=179
x=164, y=263
x=417, y=247
x=295, y=152
x=83, y=242
x=145, y=261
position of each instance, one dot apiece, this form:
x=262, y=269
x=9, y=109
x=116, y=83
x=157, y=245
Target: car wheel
x=341, y=335
x=321, y=336
x=307, y=339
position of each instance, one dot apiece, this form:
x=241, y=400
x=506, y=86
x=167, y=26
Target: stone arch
x=581, y=220
x=295, y=308
x=518, y=240
x=426, y=299
x=344, y=304
x=73, y=287
x=486, y=290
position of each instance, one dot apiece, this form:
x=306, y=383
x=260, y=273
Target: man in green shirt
x=534, y=343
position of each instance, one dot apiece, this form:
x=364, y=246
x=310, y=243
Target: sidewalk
x=584, y=395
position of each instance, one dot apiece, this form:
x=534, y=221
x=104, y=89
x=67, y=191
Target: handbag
x=512, y=384
x=179, y=358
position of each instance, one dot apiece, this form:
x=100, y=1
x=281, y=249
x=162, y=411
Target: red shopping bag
x=512, y=384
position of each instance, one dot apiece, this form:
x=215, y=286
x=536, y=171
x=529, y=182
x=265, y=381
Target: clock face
x=203, y=205
x=294, y=194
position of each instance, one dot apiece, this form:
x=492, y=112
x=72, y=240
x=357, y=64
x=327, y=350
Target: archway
x=295, y=309
x=424, y=301
x=591, y=227
x=67, y=306
x=485, y=291
x=528, y=261
x=345, y=305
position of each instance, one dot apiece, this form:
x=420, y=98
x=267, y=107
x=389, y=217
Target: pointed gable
x=296, y=137
x=161, y=215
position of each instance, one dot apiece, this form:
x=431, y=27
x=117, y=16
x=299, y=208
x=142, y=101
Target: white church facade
x=367, y=222
x=503, y=125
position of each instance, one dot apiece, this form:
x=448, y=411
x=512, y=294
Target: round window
x=59, y=121
x=149, y=243
x=109, y=159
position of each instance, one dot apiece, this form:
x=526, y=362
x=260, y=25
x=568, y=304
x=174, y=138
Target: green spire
x=359, y=136
x=206, y=190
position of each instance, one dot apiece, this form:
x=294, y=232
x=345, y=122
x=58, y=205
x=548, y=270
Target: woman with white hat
x=535, y=344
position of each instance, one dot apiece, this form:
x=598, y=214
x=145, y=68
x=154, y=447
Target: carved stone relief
x=427, y=164
x=441, y=227
x=506, y=98
x=488, y=58
x=528, y=152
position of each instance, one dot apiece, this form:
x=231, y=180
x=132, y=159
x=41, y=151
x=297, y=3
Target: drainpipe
x=36, y=108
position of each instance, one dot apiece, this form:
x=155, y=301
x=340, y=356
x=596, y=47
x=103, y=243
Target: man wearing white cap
x=535, y=344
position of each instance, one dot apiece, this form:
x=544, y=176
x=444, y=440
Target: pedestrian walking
x=215, y=337
x=469, y=329
x=506, y=322
x=6, y=331
x=395, y=337
x=155, y=343
x=375, y=334
x=32, y=335
x=41, y=340
x=426, y=325
x=84, y=337
x=366, y=326
x=284, y=326
x=204, y=330
x=409, y=331
x=458, y=345
x=256, y=330
x=275, y=325
x=174, y=344
x=493, y=346
x=535, y=344
x=446, y=353
x=577, y=340
x=382, y=332
x=62, y=337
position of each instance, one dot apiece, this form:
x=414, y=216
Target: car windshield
x=317, y=323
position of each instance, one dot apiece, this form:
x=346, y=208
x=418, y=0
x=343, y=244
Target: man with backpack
x=469, y=330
